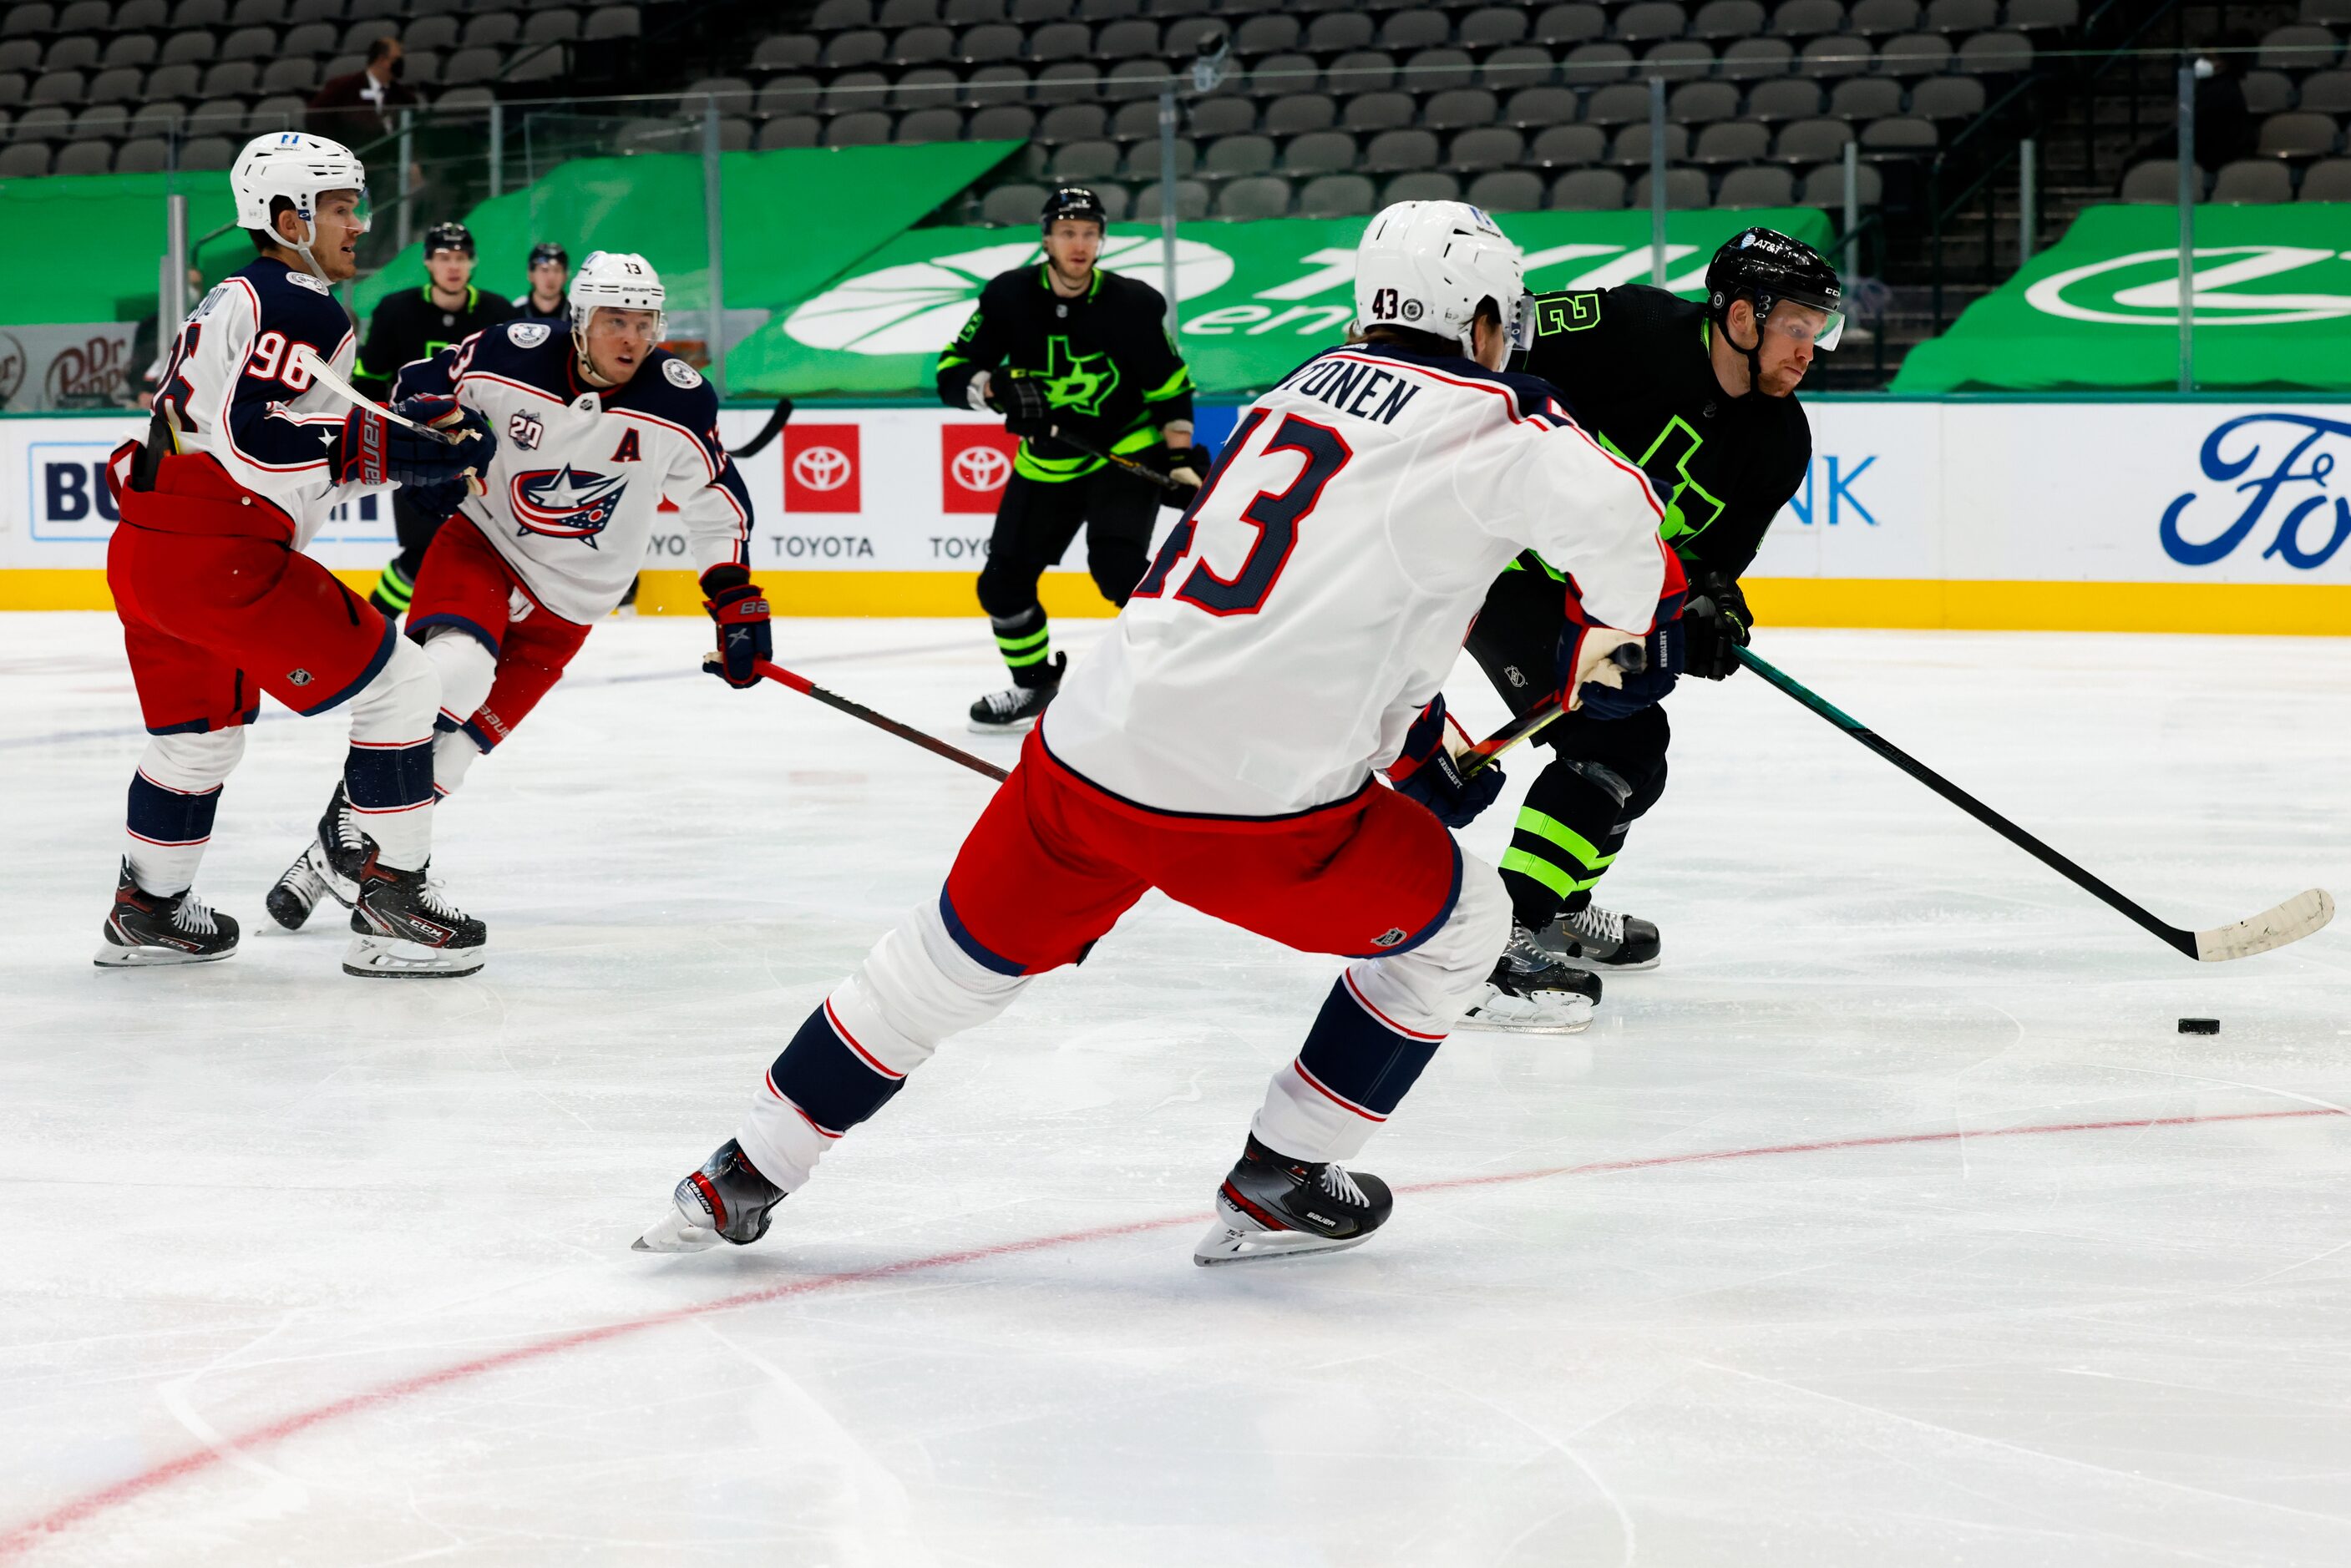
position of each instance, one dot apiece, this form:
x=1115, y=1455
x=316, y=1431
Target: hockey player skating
x=243, y=459
x=600, y=425
x=411, y=324
x=1065, y=344
x=1702, y=396
x=1220, y=746
x=551, y=275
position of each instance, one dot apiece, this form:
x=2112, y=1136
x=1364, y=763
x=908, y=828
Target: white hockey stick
x=327, y=376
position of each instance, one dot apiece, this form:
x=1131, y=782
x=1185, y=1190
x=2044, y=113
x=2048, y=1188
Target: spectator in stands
x=364, y=105
x=2225, y=128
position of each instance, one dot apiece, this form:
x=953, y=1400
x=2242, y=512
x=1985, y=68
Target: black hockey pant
x=1603, y=774
x=1034, y=524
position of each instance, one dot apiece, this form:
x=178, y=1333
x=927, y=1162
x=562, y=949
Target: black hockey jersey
x=1104, y=357
x=1632, y=363
x=408, y=325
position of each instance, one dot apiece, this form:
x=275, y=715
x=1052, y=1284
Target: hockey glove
x=373, y=450
x=1429, y=772
x=438, y=503
x=1612, y=674
x=1021, y=401
x=1188, y=467
x=740, y=609
x=1716, y=626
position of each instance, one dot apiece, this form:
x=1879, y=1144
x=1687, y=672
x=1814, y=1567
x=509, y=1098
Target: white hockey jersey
x=1316, y=594
x=581, y=473
x=241, y=397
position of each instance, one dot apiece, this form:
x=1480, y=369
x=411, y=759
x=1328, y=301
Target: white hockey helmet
x=616, y=280
x=299, y=167
x=1427, y=266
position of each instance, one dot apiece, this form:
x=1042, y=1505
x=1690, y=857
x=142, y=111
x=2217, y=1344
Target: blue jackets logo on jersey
x=565, y=504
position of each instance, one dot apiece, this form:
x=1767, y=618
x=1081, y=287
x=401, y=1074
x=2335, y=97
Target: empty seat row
x=141, y=155
x=2248, y=180
x=186, y=79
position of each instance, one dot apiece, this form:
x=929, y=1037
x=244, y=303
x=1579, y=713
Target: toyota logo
x=981, y=468
x=822, y=468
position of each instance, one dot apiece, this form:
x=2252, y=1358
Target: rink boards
x=2170, y=514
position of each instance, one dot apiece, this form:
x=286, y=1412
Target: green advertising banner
x=2100, y=310
x=112, y=226
x=1257, y=297
x=793, y=217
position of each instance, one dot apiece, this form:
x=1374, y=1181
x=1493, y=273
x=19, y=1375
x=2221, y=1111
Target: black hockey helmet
x=548, y=251
x=1766, y=267
x=449, y=237
x=1073, y=201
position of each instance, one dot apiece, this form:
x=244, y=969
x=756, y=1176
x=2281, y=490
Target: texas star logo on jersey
x=565, y=503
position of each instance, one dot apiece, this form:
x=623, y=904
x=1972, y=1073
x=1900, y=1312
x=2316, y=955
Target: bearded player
x=1220, y=745
x=600, y=425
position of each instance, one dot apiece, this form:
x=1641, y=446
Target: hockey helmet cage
x=1074, y=202
x=450, y=236
x=299, y=167
x=1427, y=266
x=616, y=280
x=1766, y=267
x=548, y=251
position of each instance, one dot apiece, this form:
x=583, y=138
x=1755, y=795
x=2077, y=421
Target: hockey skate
x=328, y=864
x=1533, y=991
x=726, y=1199
x=1016, y=709
x=403, y=928
x=1273, y=1206
x=147, y=928
x=1602, y=941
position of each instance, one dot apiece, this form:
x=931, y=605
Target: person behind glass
x=544, y=300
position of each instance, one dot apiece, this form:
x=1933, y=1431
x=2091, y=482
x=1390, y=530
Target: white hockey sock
x=388, y=773
x=913, y=989
x=173, y=797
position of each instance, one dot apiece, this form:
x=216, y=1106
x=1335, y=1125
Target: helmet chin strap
x=1754, y=357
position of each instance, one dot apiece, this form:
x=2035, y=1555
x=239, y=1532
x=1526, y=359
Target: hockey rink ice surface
x=1890, y=1223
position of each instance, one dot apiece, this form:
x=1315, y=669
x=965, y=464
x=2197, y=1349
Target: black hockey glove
x=745, y=641
x=1716, y=626
x=1429, y=774
x=439, y=501
x=1021, y=401
x=1176, y=462
x=373, y=450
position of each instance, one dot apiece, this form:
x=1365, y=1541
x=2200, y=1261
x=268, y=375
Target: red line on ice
x=33, y=1532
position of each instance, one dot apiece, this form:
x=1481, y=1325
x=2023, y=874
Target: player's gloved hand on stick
x=1612, y=674
x=1429, y=772
x=740, y=608
x=439, y=501
x=373, y=450
x=1715, y=626
x=1025, y=409
x=1188, y=467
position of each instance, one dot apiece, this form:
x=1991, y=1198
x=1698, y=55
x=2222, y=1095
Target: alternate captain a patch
x=565, y=503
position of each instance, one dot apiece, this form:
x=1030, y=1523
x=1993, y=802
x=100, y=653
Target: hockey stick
x=1139, y=471
x=806, y=688
x=767, y=433
x=327, y=376
x=2290, y=922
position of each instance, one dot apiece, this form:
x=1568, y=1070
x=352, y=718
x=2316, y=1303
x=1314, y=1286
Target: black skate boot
x=1273, y=1206
x=1019, y=707
x=403, y=928
x=727, y=1198
x=1596, y=939
x=146, y=929
x=1533, y=991
x=329, y=865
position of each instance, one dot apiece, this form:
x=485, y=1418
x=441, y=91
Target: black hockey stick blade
x=2290, y=922
x=766, y=432
x=929, y=743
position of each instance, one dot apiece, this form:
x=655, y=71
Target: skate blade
x=1017, y=727
x=1247, y=1244
x=1482, y=1017
x=373, y=957
x=1597, y=966
x=674, y=1232
x=109, y=956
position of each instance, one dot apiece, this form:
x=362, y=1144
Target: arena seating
x=1330, y=110
x=92, y=87
x=2301, y=88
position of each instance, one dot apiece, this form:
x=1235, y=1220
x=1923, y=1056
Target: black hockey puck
x=2199, y=1027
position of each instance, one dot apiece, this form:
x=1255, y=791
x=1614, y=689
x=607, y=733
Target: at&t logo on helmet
x=565, y=503
x=822, y=469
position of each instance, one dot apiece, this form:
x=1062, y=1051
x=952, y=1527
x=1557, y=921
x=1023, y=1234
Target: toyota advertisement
x=1987, y=491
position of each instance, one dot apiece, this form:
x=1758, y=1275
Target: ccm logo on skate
x=975, y=461
x=565, y=504
x=821, y=469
